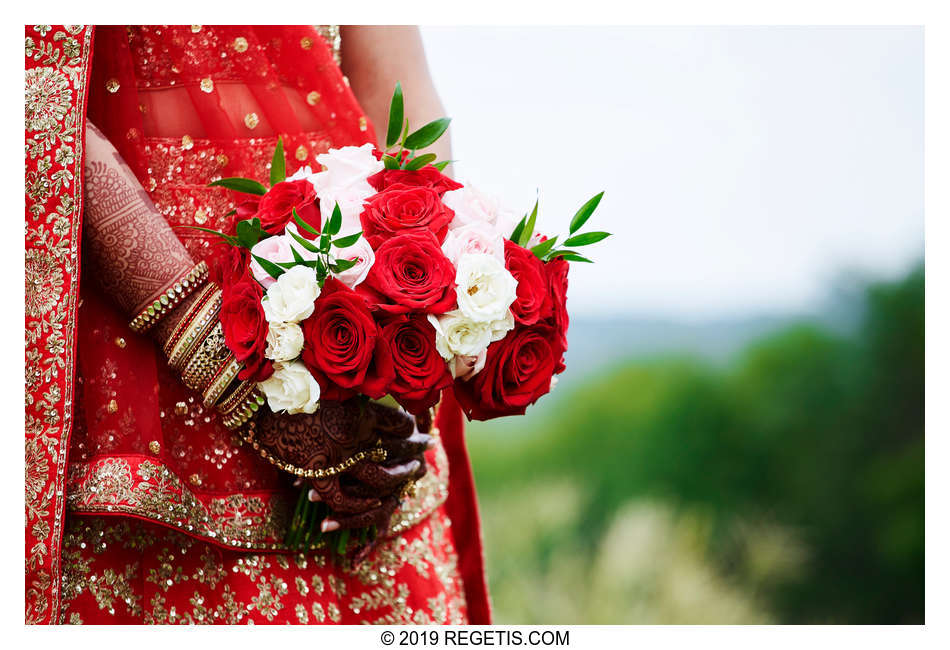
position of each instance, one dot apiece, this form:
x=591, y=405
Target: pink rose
x=474, y=237
x=273, y=249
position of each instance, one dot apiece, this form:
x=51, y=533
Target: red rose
x=410, y=274
x=276, y=207
x=245, y=328
x=421, y=372
x=518, y=370
x=533, y=302
x=556, y=272
x=229, y=264
x=428, y=176
x=404, y=207
x=342, y=346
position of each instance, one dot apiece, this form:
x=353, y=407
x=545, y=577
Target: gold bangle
x=188, y=318
x=170, y=298
x=204, y=320
x=220, y=383
x=208, y=356
x=245, y=409
x=376, y=454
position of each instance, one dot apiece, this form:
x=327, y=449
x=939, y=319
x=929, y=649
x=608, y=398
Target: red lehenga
x=140, y=505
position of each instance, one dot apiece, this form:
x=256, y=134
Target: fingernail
x=313, y=495
x=329, y=525
x=432, y=443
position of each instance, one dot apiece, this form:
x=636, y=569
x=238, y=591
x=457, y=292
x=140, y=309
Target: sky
x=745, y=168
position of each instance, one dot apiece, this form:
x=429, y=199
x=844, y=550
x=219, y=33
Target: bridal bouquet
x=378, y=275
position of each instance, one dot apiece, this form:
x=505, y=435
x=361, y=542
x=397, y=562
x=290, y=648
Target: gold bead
x=181, y=408
x=301, y=153
x=362, y=123
x=306, y=42
x=240, y=44
x=195, y=29
x=187, y=142
x=207, y=84
x=313, y=97
x=155, y=447
x=112, y=85
x=112, y=406
x=120, y=341
x=251, y=120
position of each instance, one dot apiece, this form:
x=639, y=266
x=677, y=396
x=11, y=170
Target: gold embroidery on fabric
x=55, y=82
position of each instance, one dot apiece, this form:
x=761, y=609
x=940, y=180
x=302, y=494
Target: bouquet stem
x=305, y=532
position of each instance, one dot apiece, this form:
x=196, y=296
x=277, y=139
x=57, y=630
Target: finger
x=383, y=480
x=313, y=495
x=343, y=502
x=400, y=449
x=424, y=421
x=392, y=422
x=378, y=517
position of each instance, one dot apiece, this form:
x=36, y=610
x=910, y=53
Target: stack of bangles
x=197, y=350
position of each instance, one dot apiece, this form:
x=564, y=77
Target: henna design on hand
x=133, y=250
x=369, y=492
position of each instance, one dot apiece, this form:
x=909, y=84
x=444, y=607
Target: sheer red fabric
x=185, y=105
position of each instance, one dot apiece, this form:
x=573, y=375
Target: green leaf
x=228, y=238
x=272, y=269
x=325, y=242
x=584, y=213
x=245, y=185
x=420, y=161
x=349, y=240
x=516, y=233
x=306, y=243
x=541, y=249
x=428, y=134
x=587, y=238
x=298, y=258
x=395, y=117
x=278, y=171
x=342, y=265
x=575, y=257
x=247, y=233
x=303, y=224
x=230, y=213
x=336, y=220
x=441, y=165
x=389, y=162
x=529, y=226
x=344, y=539
x=405, y=131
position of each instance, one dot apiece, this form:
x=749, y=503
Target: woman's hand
x=368, y=493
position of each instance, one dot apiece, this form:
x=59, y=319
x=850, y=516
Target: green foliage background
x=787, y=486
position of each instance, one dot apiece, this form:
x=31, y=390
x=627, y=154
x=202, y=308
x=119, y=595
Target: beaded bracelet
x=204, y=320
x=221, y=380
x=168, y=300
x=245, y=408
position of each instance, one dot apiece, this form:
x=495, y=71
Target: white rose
x=273, y=249
x=458, y=335
x=484, y=287
x=303, y=173
x=290, y=299
x=351, y=200
x=475, y=237
x=291, y=388
x=363, y=253
x=284, y=341
x=500, y=328
x=345, y=167
x=470, y=206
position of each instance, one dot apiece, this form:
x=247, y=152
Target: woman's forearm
x=132, y=249
x=374, y=59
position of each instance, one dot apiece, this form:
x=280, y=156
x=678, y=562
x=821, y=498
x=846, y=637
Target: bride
x=141, y=505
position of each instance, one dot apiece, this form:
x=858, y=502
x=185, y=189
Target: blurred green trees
x=796, y=474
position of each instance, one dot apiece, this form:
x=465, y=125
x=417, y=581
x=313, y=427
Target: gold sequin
x=306, y=42
x=155, y=447
x=120, y=341
x=181, y=408
x=313, y=97
x=133, y=134
x=301, y=153
x=362, y=124
x=221, y=159
x=113, y=406
x=143, y=109
x=251, y=120
x=187, y=142
x=346, y=80
x=201, y=216
x=112, y=85
x=195, y=29
x=207, y=84
x=195, y=480
x=240, y=44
